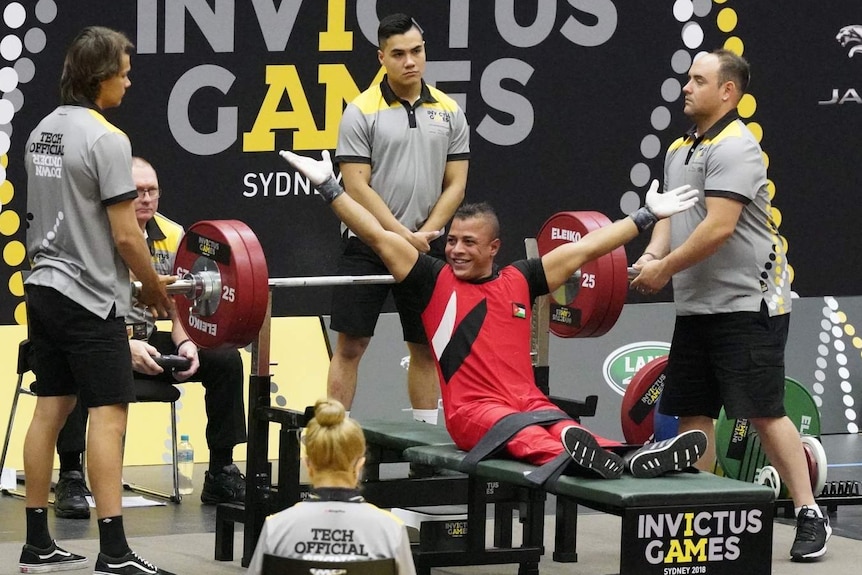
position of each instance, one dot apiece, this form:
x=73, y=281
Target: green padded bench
x=681, y=524
x=426, y=486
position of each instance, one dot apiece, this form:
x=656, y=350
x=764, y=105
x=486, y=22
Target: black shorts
x=735, y=360
x=75, y=352
x=355, y=308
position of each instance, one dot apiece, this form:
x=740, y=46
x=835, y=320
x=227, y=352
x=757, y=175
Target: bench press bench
x=679, y=524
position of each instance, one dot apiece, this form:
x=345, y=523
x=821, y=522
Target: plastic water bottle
x=186, y=465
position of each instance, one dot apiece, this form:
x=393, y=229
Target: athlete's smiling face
x=471, y=246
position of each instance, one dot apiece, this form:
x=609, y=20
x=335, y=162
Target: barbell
x=222, y=294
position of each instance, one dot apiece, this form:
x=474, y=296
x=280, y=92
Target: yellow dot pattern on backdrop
x=6, y=192
x=727, y=19
x=9, y=223
x=735, y=45
x=16, y=284
x=21, y=314
x=14, y=253
x=757, y=131
x=747, y=106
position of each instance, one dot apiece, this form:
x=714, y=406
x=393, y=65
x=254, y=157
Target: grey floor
x=180, y=537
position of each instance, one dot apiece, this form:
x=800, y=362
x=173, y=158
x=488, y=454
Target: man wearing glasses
x=220, y=372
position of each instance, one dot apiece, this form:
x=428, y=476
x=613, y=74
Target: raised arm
x=397, y=253
x=561, y=262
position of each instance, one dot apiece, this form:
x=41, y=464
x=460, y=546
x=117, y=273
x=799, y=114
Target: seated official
x=335, y=523
x=220, y=371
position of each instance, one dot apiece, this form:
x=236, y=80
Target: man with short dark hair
x=403, y=150
x=82, y=241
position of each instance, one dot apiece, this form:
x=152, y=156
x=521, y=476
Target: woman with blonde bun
x=335, y=523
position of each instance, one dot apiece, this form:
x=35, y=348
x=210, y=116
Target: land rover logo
x=624, y=362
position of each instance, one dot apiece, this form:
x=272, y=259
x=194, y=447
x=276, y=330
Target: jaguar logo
x=851, y=36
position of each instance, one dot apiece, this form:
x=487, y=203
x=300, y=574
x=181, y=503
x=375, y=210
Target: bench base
x=678, y=524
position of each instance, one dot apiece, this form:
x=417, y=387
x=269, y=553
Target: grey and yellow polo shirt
x=407, y=146
x=751, y=266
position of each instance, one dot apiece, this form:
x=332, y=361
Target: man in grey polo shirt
x=82, y=241
x=403, y=150
x=731, y=287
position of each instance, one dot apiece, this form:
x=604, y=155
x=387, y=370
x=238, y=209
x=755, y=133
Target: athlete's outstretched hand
x=317, y=171
x=671, y=202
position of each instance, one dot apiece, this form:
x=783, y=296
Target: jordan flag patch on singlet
x=519, y=310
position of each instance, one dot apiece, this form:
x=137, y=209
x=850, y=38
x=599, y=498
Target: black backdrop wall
x=571, y=105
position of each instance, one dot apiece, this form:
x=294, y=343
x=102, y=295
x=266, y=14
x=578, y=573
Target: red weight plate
x=238, y=336
x=244, y=285
x=259, y=274
x=639, y=401
x=600, y=282
x=619, y=291
x=574, y=319
x=215, y=246
x=615, y=289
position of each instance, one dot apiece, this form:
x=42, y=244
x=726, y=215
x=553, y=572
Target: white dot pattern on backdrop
x=10, y=47
x=35, y=40
x=25, y=70
x=21, y=37
x=46, y=11
x=670, y=91
x=833, y=349
x=14, y=15
x=8, y=79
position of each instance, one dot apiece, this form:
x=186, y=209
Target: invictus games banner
x=571, y=105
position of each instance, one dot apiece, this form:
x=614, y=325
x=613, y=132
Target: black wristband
x=182, y=343
x=329, y=189
x=643, y=218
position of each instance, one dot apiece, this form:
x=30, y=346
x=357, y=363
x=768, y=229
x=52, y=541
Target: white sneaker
x=674, y=454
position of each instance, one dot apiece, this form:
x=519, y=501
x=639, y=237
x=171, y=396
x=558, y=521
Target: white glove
x=317, y=171
x=672, y=202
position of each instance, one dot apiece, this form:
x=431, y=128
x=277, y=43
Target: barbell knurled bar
x=201, y=284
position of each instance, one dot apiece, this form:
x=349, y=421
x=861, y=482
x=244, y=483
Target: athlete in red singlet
x=477, y=319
